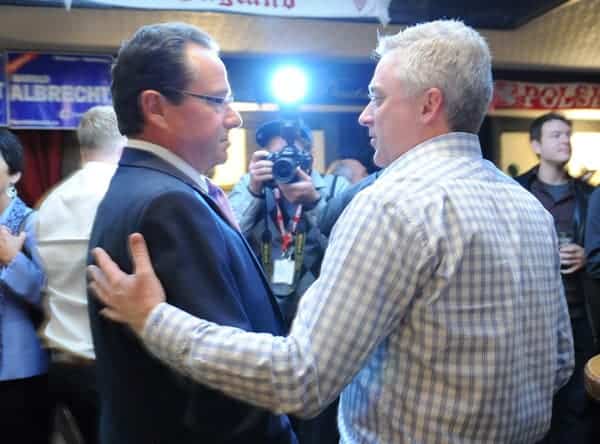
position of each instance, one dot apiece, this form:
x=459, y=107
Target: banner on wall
x=550, y=96
x=349, y=9
x=54, y=90
x=3, y=101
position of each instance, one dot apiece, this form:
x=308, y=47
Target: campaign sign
x=54, y=90
x=3, y=105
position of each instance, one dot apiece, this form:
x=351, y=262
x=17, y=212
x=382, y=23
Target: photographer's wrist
x=257, y=194
x=255, y=186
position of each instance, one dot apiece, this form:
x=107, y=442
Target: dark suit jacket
x=207, y=270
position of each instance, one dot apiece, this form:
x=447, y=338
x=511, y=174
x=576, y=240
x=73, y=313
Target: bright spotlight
x=289, y=85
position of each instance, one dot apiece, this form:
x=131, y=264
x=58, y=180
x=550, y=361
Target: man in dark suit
x=172, y=99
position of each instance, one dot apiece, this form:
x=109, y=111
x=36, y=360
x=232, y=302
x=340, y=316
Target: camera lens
x=284, y=170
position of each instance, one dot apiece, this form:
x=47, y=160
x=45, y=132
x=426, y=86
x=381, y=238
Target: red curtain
x=42, y=169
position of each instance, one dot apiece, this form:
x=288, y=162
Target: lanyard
x=286, y=236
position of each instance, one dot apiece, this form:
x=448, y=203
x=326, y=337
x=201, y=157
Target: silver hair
x=98, y=129
x=451, y=56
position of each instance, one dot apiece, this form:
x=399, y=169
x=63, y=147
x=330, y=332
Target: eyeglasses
x=216, y=100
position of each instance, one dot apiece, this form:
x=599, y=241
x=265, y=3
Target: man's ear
x=537, y=147
x=431, y=104
x=152, y=106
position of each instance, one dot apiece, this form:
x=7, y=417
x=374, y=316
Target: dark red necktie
x=219, y=197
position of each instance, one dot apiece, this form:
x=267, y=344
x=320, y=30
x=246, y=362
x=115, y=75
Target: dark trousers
x=575, y=417
x=74, y=386
x=25, y=411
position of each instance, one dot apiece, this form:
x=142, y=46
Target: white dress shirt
x=65, y=221
x=172, y=159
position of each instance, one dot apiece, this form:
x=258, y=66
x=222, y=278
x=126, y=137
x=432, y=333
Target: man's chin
x=221, y=159
x=378, y=161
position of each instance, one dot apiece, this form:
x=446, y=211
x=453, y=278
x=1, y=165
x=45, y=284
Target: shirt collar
x=172, y=159
x=417, y=159
x=542, y=187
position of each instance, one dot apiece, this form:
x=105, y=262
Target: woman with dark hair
x=23, y=361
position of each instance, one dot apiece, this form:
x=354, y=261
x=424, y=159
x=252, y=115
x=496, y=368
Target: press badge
x=283, y=271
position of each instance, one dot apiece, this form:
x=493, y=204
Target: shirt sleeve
x=341, y=319
x=245, y=206
x=23, y=277
x=565, y=351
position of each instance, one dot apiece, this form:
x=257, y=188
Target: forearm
x=271, y=372
x=23, y=278
x=24, y=275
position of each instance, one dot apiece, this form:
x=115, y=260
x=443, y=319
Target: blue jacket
x=21, y=282
x=336, y=206
x=208, y=270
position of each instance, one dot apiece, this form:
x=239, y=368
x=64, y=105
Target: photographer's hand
x=261, y=171
x=302, y=191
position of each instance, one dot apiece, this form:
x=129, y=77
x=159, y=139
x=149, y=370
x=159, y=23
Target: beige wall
x=565, y=37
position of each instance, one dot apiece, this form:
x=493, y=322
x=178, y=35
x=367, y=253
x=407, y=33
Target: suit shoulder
x=146, y=182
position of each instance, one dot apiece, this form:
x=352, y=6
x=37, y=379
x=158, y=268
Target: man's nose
x=366, y=117
x=233, y=119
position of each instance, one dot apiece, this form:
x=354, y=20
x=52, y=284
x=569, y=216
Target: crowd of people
x=436, y=300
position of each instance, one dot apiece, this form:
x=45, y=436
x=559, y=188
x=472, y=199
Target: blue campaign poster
x=3, y=105
x=54, y=90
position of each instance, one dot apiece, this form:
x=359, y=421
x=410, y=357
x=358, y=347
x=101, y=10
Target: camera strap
x=287, y=236
x=284, y=269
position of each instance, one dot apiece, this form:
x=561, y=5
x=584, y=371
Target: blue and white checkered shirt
x=439, y=314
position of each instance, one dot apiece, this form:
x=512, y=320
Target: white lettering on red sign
x=510, y=94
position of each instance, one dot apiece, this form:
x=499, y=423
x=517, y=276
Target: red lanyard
x=286, y=236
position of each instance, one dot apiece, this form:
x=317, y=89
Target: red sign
x=524, y=95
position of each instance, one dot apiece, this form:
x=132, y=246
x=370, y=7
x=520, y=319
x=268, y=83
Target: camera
x=286, y=161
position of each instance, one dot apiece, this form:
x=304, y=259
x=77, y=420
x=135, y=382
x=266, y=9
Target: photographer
x=290, y=251
x=280, y=219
